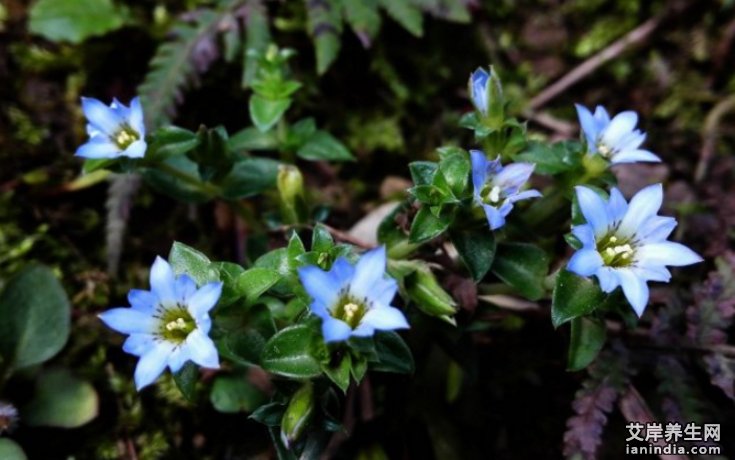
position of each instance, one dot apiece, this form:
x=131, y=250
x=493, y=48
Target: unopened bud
x=424, y=289
x=290, y=185
x=486, y=92
x=297, y=415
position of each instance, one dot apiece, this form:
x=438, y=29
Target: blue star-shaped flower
x=615, y=139
x=114, y=131
x=624, y=244
x=497, y=187
x=353, y=300
x=168, y=325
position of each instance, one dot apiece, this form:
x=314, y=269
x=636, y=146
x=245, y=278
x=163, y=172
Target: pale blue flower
x=615, y=139
x=497, y=187
x=114, y=131
x=353, y=300
x=625, y=244
x=168, y=325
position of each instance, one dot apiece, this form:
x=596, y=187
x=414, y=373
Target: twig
x=633, y=37
x=710, y=134
x=634, y=409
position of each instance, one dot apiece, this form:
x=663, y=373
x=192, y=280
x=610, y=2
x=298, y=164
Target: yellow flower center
x=604, y=150
x=491, y=195
x=615, y=252
x=176, y=324
x=350, y=311
x=125, y=136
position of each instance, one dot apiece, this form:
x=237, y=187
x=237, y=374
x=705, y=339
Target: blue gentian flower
x=497, y=187
x=353, y=300
x=615, y=139
x=114, y=131
x=625, y=244
x=168, y=325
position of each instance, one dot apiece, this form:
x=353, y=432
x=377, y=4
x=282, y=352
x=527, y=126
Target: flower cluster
x=114, y=131
x=353, y=300
x=168, y=325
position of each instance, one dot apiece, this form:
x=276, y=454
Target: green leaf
x=587, y=339
x=477, y=248
x=249, y=177
x=339, y=372
x=266, y=112
x=269, y=414
x=363, y=17
x=186, y=380
x=455, y=167
x=406, y=14
x=430, y=195
x=523, y=266
x=35, y=316
x=91, y=164
x=325, y=28
x=241, y=335
x=171, y=141
x=288, y=353
x=324, y=146
x=234, y=393
x=255, y=282
x=61, y=401
x=574, y=296
x=359, y=368
x=393, y=354
x=321, y=239
x=552, y=159
x=73, y=20
x=422, y=172
x=427, y=226
x=10, y=450
x=185, y=259
x=252, y=138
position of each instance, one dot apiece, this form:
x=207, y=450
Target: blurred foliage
x=387, y=78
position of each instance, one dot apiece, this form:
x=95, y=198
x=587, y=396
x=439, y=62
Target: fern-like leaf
x=594, y=401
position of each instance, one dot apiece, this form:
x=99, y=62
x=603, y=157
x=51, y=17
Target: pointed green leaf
x=586, y=340
x=574, y=296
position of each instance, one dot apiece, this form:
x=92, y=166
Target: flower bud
x=429, y=296
x=290, y=185
x=297, y=415
x=486, y=92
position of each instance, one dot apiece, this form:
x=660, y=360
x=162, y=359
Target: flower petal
x=138, y=344
x=495, y=218
x=635, y=289
x=384, y=291
x=319, y=285
x=621, y=124
x=341, y=272
x=178, y=357
x=666, y=253
x=656, y=229
x=98, y=147
x=135, y=150
x=152, y=364
x=589, y=126
x=644, y=205
x=513, y=176
x=634, y=156
x=369, y=270
x=128, y=320
x=479, y=171
x=385, y=319
x=585, y=262
x=204, y=299
x=616, y=206
x=593, y=209
x=163, y=281
x=524, y=195
x=608, y=279
x=585, y=235
x=335, y=330
x=185, y=287
x=102, y=117
x=653, y=273
x=144, y=301
x=202, y=350
x=136, y=117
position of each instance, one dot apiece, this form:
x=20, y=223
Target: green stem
x=204, y=187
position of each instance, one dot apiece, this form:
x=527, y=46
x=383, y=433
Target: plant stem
x=204, y=187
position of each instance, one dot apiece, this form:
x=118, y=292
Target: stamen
x=494, y=195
